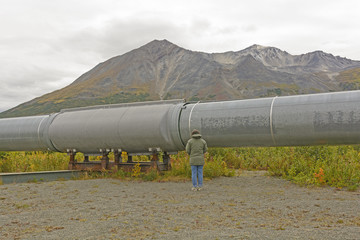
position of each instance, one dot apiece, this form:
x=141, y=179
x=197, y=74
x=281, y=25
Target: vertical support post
x=155, y=159
x=129, y=159
x=86, y=158
x=105, y=160
x=117, y=158
x=72, y=162
x=166, y=161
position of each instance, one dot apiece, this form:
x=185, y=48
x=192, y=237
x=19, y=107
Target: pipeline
x=140, y=128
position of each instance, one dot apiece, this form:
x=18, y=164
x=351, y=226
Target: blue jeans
x=197, y=176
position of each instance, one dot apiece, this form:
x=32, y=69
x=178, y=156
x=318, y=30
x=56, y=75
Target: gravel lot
x=250, y=206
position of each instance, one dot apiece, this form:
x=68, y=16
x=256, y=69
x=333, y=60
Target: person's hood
x=196, y=135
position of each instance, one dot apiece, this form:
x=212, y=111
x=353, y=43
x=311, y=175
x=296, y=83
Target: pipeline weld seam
x=38, y=130
x=271, y=120
x=178, y=124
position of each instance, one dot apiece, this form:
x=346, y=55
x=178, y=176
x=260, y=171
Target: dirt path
x=250, y=206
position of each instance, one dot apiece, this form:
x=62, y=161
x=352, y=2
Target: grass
x=336, y=166
x=32, y=161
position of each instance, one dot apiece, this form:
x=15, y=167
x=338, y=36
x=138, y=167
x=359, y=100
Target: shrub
x=33, y=161
x=337, y=166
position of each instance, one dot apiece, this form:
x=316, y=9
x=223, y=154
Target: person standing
x=196, y=147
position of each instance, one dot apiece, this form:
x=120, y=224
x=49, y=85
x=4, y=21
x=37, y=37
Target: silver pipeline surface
x=313, y=119
x=138, y=128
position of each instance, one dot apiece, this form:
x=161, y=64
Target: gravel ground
x=250, y=206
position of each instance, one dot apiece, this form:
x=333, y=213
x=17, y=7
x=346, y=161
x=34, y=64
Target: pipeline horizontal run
x=312, y=119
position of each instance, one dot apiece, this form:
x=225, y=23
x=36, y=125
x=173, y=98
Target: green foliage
x=180, y=165
x=120, y=174
x=349, y=79
x=336, y=166
x=194, y=98
x=277, y=89
x=3, y=155
x=215, y=166
x=32, y=161
x=249, y=158
x=151, y=175
x=274, y=92
x=347, y=86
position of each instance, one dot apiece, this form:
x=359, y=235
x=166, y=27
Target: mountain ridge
x=163, y=70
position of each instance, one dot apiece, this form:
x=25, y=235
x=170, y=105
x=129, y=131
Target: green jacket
x=196, y=147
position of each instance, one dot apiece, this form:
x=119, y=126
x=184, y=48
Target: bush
x=33, y=161
x=337, y=166
x=217, y=167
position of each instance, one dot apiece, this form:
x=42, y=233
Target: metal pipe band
x=271, y=120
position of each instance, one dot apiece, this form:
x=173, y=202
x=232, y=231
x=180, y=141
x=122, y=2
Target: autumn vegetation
x=335, y=166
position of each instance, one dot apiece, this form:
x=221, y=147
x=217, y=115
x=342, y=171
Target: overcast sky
x=46, y=44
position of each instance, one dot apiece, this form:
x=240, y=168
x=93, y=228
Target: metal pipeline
x=314, y=119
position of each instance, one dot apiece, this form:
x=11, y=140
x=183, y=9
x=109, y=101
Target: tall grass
x=337, y=166
x=32, y=161
x=215, y=166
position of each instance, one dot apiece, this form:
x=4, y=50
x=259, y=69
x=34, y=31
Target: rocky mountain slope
x=162, y=70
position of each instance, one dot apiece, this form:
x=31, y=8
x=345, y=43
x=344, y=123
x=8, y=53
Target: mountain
x=163, y=70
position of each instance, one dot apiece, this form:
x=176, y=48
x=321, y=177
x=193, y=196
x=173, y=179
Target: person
x=196, y=147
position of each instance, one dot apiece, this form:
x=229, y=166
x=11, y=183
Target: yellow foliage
x=136, y=170
x=351, y=75
x=59, y=101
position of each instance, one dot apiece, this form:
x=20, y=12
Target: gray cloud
x=46, y=45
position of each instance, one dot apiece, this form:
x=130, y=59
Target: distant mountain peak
x=256, y=47
x=158, y=48
x=163, y=70
x=159, y=43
